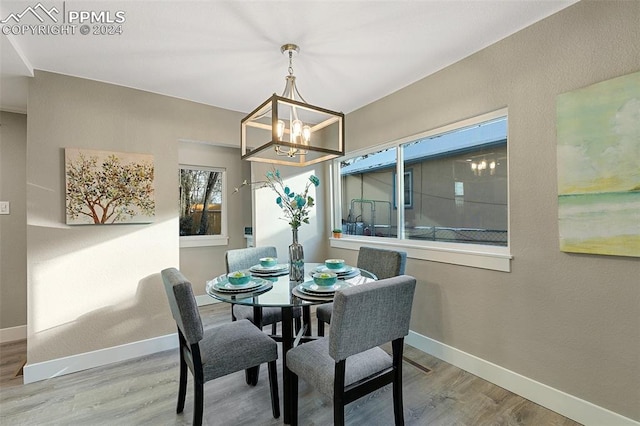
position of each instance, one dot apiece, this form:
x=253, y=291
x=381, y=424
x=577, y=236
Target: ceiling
x=227, y=53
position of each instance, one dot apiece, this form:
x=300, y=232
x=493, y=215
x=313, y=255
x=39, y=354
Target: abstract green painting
x=598, y=131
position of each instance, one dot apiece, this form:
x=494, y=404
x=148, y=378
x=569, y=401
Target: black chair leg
x=274, y=328
x=182, y=386
x=397, y=400
x=338, y=413
x=198, y=403
x=338, y=393
x=397, y=347
x=293, y=398
x=306, y=319
x=252, y=374
x=320, y=328
x=273, y=387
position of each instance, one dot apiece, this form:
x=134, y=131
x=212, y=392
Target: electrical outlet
x=4, y=207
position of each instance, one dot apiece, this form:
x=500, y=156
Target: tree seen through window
x=200, y=201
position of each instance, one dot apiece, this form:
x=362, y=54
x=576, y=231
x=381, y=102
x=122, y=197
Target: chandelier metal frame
x=313, y=134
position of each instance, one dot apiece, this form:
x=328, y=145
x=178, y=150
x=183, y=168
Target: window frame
x=491, y=257
x=408, y=189
x=209, y=240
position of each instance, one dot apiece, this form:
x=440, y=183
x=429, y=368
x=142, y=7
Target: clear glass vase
x=296, y=259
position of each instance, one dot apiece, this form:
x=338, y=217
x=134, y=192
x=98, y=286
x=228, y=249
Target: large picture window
x=202, y=207
x=457, y=193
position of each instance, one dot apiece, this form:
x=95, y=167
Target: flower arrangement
x=295, y=206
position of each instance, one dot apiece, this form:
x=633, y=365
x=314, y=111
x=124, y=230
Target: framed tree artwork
x=104, y=188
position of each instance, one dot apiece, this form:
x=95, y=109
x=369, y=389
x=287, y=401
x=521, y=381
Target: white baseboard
x=71, y=364
x=567, y=405
x=11, y=334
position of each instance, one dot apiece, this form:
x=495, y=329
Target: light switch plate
x=4, y=207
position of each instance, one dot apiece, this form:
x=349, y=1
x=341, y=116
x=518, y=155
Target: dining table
x=275, y=289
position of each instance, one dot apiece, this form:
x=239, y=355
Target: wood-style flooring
x=143, y=391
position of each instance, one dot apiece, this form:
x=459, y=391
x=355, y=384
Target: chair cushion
x=245, y=258
x=312, y=363
x=367, y=316
x=235, y=346
x=323, y=312
x=183, y=304
x=383, y=263
x=269, y=315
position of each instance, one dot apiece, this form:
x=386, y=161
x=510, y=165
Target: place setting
x=338, y=267
x=239, y=282
x=322, y=286
x=269, y=267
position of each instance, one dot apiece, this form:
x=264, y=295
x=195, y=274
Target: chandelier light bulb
x=280, y=129
x=296, y=129
x=306, y=134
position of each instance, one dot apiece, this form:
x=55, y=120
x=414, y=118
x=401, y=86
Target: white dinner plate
x=310, y=287
x=317, y=297
x=278, y=267
x=345, y=270
x=270, y=269
x=223, y=285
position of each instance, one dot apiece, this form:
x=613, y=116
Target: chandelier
x=480, y=167
x=287, y=130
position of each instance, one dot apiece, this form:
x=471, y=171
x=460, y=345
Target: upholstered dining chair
x=216, y=351
x=349, y=364
x=382, y=263
x=240, y=259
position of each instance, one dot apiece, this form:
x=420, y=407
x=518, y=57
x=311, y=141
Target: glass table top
x=278, y=291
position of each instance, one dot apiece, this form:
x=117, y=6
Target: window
x=408, y=189
x=455, y=182
x=202, y=206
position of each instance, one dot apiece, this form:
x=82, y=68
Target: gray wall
x=567, y=320
x=94, y=287
x=13, y=228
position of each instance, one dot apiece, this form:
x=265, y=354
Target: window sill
x=476, y=256
x=204, y=241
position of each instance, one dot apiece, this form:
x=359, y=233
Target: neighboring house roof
x=453, y=143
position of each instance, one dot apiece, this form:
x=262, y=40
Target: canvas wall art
x=104, y=187
x=598, y=132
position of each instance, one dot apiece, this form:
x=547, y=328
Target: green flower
x=295, y=205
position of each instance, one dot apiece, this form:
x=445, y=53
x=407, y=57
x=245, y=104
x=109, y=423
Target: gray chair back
x=370, y=315
x=183, y=305
x=239, y=259
x=383, y=263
